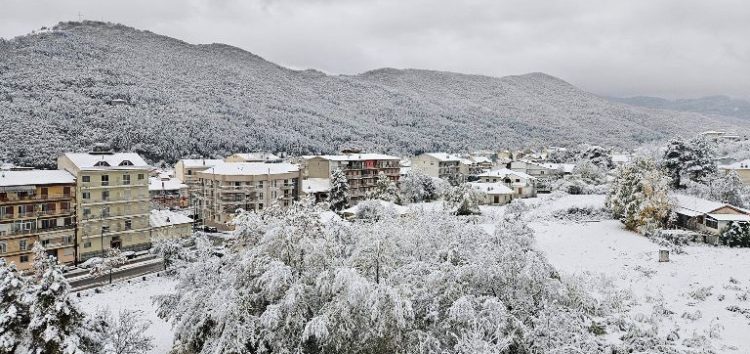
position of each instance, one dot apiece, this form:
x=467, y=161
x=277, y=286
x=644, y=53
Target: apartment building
x=361, y=170
x=112, y=201
x=186, y=169
x=227, y=187
x=167, y=192
x=440, y=165
x=37, y=206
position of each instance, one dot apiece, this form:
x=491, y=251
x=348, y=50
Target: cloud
x=671, y=48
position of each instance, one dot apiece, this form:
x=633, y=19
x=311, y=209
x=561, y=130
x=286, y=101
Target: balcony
x=6, y=199
x=37, y=214
x=19, y=232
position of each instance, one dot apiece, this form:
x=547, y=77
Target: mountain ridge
x=57, y=90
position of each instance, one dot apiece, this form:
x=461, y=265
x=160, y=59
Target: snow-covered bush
x=424, y=283
x=736, y=235
x=639, y=196
x=581, y=214
x=374, y=210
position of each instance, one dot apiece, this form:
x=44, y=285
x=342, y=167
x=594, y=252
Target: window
x=86, y=212
x=3, y=247
x=105, y=180
x=24, y=258
x=125, y=179
x=126, y=163
x=128, y=224
x=68, y=240
x=87, y=244
x=105, y=212
x=85, y=179
x=45, y=243
x=101, y=164
x=260, y=206
x=23, y=245
x=712, y=223
x=68, y=221
x=105, y=195
x=105, y=229
x=86, y=195
x=140, y=176
x=260, y=184
x=66, y=191
x=190, y=172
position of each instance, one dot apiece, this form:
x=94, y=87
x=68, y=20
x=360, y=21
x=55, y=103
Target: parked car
x=207, y=228
x=93, y=261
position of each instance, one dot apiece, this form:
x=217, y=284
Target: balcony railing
x=37, y=231
x=36, y=214
x=34, y=198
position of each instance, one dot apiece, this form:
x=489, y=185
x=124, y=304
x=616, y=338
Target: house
x=493, y=193
x=227, y=187
x=167, y=224
x=541, y=169
x=316, y=187
x=475, y=165
x=253, y=157
x=440, y=165
x=742, y=168
x=707, y=216
x=37, y=206
x=719, y=135
x=112, y=200
x=361, y=170
x=522, y=184
x=168, y=192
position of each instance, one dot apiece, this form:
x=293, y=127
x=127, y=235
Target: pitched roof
x=251, y=168
x=502, y=172
x=165, y=184
x=257, y=156
x=565, y=167
x=730, y=217
x=200, y=162
x=491, y=188
x=118, y=160
x=35, y=177
x=161, y=218
x=693, y=206
x=441, y=156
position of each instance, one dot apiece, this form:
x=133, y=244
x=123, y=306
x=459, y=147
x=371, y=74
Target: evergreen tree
x=674, y=160
x=736, y=235
x=55, y=323
x=338, y=197
x=700, y=160
x=14, y=308
x=639, y=196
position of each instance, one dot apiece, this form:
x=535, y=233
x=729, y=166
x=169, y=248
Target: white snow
x=251, y=168
x=89, y=161
x=165, y=184
x=316, y=185
x=135, y=295
x=502, y=172
x=161, y=218
x=190, y=163
x=35, y=177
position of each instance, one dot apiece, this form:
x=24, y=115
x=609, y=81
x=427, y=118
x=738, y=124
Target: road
x=133, y=271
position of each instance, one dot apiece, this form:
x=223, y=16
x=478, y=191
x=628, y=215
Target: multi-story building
x=227, y=187
x=167, y=192
x=37, y=206
x=361, y=170
x=253, y=157
x=112, y=201
x=438, y=164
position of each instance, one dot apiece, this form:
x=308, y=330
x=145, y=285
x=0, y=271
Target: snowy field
x=135, y=295
x=694, y=287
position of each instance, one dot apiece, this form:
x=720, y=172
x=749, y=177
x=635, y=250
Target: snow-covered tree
x=417, y=187
x=736, y=235
x=338, y=196
x=463, y=200
x=674, y=160
x=374, y=210
x=169, y=249
x=123, y=334
x=385, y=189
x=598, y=156
x=639, y=196
x=14, y=307
x=114, y=259
x=692, y=160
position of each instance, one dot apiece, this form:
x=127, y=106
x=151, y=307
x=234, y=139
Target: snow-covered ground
x=135, y=295
x=632, y=262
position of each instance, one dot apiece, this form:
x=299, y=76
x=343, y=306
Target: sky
x=667, y=48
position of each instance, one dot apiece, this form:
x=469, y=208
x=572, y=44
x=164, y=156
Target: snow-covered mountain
x=722, y=105
x=81, y=83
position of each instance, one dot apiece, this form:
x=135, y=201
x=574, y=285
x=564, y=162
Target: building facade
x=112, y=201
x=361, y=170
x=441, y=165
x=37, y=206
x=227, y=187
x=168, y=192
x=522, y=184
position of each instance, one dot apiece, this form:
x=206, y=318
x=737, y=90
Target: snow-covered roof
x=117, y=160
x=161, y=218
x=190, y=163
x=739, y=165
x=730, y=217
x=564, y=167
x=481, y=159
x=35, y=177
x=353, y=157
x=694, y=206
x=491, y=188
x=258, y=156
x=165, y=184
x=441, y=156
x=502, y=172
x=316, y=185
x=251, y=168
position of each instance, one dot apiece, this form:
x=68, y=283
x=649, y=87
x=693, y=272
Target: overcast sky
x=670, y=48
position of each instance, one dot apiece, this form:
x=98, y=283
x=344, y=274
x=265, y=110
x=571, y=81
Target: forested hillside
x=80, y=83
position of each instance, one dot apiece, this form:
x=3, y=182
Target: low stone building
x=493, y=193
x=167, y=224
x=522, y=184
